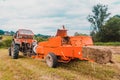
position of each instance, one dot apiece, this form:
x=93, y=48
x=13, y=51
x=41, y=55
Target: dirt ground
x=114, y=49
x=26, y=68
x=115, y=52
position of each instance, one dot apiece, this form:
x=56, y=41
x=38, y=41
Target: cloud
x=46, y=16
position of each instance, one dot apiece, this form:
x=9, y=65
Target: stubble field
x=26, y=68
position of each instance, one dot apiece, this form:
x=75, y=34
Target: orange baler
x=62, y=48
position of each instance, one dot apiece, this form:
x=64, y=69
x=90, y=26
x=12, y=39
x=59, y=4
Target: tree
x=118, y=16
x=98, y=18
x=79, y=34
x=111, y=30
x=12, y=33
x=1, y=32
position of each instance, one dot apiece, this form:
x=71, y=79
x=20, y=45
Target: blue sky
x=46, y=16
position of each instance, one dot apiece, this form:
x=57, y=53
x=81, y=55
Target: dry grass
x=26, y=68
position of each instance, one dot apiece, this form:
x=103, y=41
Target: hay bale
x=98, y=54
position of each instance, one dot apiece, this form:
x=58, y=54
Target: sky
x=46, y=16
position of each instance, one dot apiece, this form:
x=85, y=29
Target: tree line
x=104, y=29
x=2, y=32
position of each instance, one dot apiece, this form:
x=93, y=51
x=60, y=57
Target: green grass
x=107, y=43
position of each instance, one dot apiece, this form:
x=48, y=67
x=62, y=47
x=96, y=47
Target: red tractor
x=22, y=41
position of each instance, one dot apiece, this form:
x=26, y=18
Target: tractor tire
x=51, y=60
x=14, y=51
x=9, y=50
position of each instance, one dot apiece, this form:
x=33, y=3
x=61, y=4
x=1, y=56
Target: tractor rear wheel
x=14, y=51
x=51, y=60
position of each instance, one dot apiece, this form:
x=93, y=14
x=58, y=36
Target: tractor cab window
x=26, y=32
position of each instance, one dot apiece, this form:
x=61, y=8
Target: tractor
x=24, y=42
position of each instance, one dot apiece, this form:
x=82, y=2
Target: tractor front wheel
x=14, y=51
x=51, y=60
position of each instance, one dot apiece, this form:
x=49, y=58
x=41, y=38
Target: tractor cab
x=23, y=33
x=22, y=41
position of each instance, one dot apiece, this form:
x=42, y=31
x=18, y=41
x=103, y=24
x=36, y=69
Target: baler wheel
x=14, y=51
x=51, y=60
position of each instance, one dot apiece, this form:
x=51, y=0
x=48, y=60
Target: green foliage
x=5, y=43
x=12, y=33
x=99, y=16
x=42, y=36
x=118, y=16
x=79, y=34
x=1, y=45
x=107, y=43
x=1, y=32
x=110, y=31
x=104, y=32
x=40, y=39
x=97, y=20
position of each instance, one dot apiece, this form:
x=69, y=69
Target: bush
x=1, y=44
x=107, y=43
x=40, y=39
x=5, y=43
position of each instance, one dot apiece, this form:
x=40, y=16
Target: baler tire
x=15, y=52
x=9, y=50
x=51, y=60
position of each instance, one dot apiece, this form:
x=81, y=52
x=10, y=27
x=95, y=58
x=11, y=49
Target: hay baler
x=62, y=48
